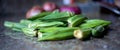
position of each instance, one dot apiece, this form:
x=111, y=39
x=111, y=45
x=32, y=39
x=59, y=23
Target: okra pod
x=103, y=22
x=48, y=24
x=75, y=20
x=54, y=29
x=58, y=34
x=14, y=26
x=26, y=22
x=62, y=16
x=93, y=23
x=37, y=24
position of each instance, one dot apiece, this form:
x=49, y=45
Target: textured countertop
x=14, y=13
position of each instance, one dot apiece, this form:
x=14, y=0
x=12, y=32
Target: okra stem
x=82, y=34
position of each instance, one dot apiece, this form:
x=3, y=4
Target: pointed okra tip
x=8, y=24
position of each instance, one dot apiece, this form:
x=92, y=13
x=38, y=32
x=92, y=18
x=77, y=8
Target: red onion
x=49, y=6
x=73, y=9
x=117, y=3
x=34, y=11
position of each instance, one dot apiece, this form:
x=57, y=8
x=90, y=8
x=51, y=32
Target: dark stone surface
x=15, y=10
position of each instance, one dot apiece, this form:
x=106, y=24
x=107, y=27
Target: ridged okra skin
x=14, y=26
x=54, y=29
x=93, y=23
x=75, y=20
x=58, y=16
x=56, y=33
x=25, y=21
x=39, y=23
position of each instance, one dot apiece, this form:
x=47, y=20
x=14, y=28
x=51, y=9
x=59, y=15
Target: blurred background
x=22, y=6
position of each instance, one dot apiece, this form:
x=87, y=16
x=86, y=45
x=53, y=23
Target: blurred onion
x=73, y=9
x=34, y=11
x=49, y=6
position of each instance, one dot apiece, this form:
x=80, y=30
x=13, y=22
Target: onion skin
x=73, y=9
x=34, y=11
x=49, y=6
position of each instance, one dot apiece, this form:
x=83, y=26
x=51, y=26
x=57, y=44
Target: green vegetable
x=54, y=29
x=82, y=33
x=58, y=34
x=53, y=26
x=61, y=16
x=76, y=20
x=35, y=24
x=25, y=22
x=46, y=24
x=39, y=15
x=14, y=26
x=93, y=23
x=98, y=31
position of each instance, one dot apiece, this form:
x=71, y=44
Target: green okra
x=60, y=16
x=37, y=23
x=26, y=22
x=49, y=24
x=14, y=26
x=57, y=36
x=94, y=22
x=98, y=31
x=75, y=20
x=82, y=33
x=103, y=22
x=54, y=29
x=64, y=33
x=39, y=15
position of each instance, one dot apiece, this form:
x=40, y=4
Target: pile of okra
x=59, y=26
